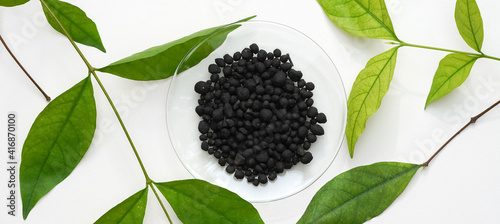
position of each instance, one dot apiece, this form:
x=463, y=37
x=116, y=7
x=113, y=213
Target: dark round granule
x=306, y=158
x=262, y=157
x=284, y=58
x=261, y=55
x=239, y=174
x=317, y=129
x=246, y=54
x=254, y=48
x=237, y=56
x=230, y=169
x=279, y=79
x=255, y=182
x=258, y=117
x=310, y=86
x=295, y=75
x=266, y=115
x=213, y=68
x=220, y=62
x=203, y=127
x=262, y=178
x=272, y=176
x=204, y=145
x=277, y=52
x=202, y=87
x=312, y=112
x=321, y=118
x=228, y=59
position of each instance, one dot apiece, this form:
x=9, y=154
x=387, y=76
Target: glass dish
x=329, y=97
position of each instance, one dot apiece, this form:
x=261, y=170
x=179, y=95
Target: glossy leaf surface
x=160, y=62
x=367, y=93
x=365, y=18
x=197, y=201
x=359, y=194
x=470, y=23
x=453, y=70
x=129, y=211
x=74, y=20
x=56, y=142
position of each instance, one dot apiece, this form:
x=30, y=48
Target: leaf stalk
x=47, y=97
x=471, y=121
x=479, y=55
x=151, y=185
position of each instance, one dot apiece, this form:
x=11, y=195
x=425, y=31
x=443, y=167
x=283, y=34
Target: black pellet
x=239, y=174
x=262, y=157
x=310, y=86
x=220, y=62
x=317, y=129
x=246, y=54
x=285, y=66
x=295, y=75
x=277, y=52
x=261, y=55
x=262, y=178
x=230, y=169
x=306, y=158
x=201, y=87
x=312, y=112
x=279, y=79
x=203, y=127
x=321, y=118
x=237, y=56
x=228, y=59
x=254, y=48
x=213, y=68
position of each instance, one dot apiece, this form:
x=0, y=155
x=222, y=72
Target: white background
x=460, y=185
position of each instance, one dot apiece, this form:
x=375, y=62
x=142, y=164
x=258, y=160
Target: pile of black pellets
x=257, y=112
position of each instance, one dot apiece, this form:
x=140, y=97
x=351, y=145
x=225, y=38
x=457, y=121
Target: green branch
x=110, y=101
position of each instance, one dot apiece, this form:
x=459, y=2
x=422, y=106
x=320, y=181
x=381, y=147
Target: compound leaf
x=367, y=93
x=10, y=3
x=469, y=23
x=363, y=18
x=160, y=62
x=56, y=142
x=452, y=71
x=197, y=201
x=129, y=211
x=359, y=194
x=74, y=20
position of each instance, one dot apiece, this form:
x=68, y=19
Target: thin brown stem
x=47, y=97
x=471, y=121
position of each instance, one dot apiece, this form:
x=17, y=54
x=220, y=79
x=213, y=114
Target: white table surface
x=460, y=186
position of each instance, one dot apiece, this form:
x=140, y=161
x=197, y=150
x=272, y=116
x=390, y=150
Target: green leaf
x=359, y=194
x=160, y=62
x=469, y=23
x=10, y=3
x=197, y=201
x=363, y=18
x=453, y=70
x=80, y=27
x=131, y=210
x=56, y=142
x=367, y=92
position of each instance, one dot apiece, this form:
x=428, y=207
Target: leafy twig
x=91, y=69
x=471, y=121
x=47, y=97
